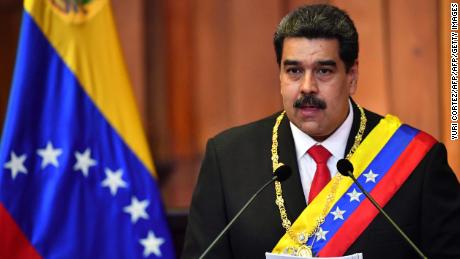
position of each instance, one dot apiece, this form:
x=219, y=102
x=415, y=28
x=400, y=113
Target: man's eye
x=294, y=71
x=324, y=71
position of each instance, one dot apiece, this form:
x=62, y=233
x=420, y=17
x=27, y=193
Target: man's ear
x=353, y=74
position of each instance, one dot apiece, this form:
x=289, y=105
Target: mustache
x=311, y=101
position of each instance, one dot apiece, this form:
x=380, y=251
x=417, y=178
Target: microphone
x=346, y=169
x=281, y=173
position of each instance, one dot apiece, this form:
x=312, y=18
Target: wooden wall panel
x=254, y=80
x=369, y=18
x=236, y=72
x=212, y=90
x=414, y=65
x=156, y=93
x=453, y=146
x=292, y=4
x=179, y=62
x=180, y=75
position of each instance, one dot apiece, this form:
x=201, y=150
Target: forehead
x=310, y=50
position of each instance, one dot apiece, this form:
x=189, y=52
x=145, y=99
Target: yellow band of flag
x=79, y=38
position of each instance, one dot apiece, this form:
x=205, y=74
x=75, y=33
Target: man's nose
x=309, y=84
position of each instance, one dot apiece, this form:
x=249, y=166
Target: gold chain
x=285, y=222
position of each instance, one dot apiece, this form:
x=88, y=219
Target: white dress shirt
x=336, y=144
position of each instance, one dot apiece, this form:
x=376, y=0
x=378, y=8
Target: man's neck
x=336, y=141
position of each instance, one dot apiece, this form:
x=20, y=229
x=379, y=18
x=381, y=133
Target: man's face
x=313, y=78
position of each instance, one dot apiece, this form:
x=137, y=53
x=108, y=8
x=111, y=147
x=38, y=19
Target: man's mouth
x=309, y=106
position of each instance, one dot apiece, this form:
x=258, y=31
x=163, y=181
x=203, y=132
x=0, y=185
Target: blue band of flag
x=63, y=211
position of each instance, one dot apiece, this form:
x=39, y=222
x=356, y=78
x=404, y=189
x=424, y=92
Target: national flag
x=76, y=175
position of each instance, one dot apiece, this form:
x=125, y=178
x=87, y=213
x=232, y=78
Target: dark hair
x=320, y=21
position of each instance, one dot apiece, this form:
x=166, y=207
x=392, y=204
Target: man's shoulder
x=252, y=131
x=373, y=119
x=372, y=115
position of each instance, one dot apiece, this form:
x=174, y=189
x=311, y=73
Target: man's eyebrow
x=288, y=62
x=327, y=63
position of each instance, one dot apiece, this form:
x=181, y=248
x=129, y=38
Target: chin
x=317, y=135
x=314, y=130
x=311, y=131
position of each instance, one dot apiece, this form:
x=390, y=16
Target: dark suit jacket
x=237, y=163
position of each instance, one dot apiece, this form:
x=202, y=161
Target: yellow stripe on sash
x=87, y=42
x=363, y=156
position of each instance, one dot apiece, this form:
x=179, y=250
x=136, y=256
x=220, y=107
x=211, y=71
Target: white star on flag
x=354, y=196
x=152, y=244
x=137, y=209
x=321, y=234
x=370, y=177
x=84, y=161
x=338, y=214
x=113, y=180
x=49, y=155
x=16, y=164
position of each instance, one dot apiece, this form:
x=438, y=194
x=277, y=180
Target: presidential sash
x=383, y=162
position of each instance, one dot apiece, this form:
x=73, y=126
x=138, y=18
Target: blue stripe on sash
x=380, y=165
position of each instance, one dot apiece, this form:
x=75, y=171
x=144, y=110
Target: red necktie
x=322, y=174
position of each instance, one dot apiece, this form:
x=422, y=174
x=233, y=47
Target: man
x=316, y=210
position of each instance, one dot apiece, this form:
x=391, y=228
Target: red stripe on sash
x=382, y=193
x=13, y=243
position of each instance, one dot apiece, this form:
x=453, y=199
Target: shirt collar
x=336, y=143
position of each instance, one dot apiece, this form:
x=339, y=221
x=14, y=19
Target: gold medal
x=304, y=251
